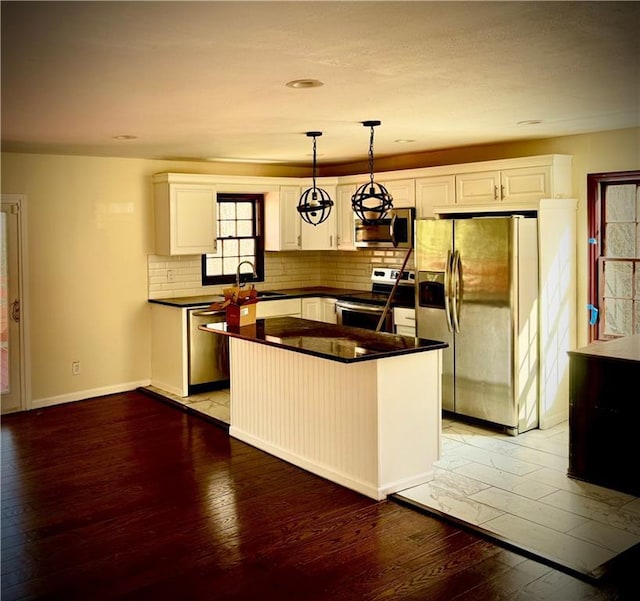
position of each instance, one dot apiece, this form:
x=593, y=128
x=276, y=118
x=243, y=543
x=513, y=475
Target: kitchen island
x=358, y=407
x=604, y=412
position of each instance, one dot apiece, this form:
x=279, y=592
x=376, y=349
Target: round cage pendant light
x=315, y=204
x=371, y=201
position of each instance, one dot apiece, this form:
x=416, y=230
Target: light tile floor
x=517, y=489
x=514, y=488
x=213, y=403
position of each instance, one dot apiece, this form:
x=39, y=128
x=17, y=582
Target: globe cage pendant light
x=315, y=204
x=371, y=201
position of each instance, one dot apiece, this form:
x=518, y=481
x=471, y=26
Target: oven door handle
x=358, y=307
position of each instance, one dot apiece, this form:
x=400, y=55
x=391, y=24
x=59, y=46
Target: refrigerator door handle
x=447, y=291
x=455, y=295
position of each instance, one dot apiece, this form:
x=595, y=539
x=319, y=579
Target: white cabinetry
x=510, y=185
x=324, y=235
x=402, y=191
x=285, y=229
x=169, y=349
x=319, y=308
x=278, y=308
x=404, y=321
x=434, y=191
x=185, y=215
x=345, y=217
x=282, y=222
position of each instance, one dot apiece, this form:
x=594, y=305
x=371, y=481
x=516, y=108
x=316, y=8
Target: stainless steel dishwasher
x=208, y=353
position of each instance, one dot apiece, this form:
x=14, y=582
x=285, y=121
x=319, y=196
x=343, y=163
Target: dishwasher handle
x=208, y=312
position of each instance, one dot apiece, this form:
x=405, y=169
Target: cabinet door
x=528, y=183
x=282, y=222
x=322, y=236
x=319, y=309
x=289, y=218
x=328, y=310
x=312, y=308
x=509, y=185
x=345, y=217
x=185, y=218
x=478, y=188
x=402, y=191
x=434, y=191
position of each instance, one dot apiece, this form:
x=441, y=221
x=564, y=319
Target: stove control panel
x=386, y=275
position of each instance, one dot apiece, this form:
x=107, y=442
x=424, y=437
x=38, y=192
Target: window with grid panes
x=239, y=238
x=614, y=226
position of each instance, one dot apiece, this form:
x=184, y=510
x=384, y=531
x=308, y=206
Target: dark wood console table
x=604, y=414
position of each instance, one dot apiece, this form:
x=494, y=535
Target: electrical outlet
x=75, y=368
x=170, y=275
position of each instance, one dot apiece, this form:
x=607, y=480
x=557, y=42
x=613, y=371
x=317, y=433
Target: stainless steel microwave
x=394, y=231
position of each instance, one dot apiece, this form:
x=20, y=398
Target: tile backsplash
x=171, y=277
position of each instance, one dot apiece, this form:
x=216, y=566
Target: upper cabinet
x=509, y=185
x=285, y=229
x=185, y=205
x=185, y=215
x=402, y=191
x=322, y=236
x=282, y=222
x=345, y=217
x=434, y=191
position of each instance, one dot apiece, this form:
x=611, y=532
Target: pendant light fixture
x=371, y=201
x=315, y=204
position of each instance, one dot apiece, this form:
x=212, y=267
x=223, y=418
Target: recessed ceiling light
x=125, y=137
x=404, y=141
x=304, y=83
x=530, y=122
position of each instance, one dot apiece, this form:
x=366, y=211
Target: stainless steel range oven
x=363, y=310
x=359, y=315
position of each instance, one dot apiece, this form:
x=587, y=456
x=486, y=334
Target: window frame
x=258, y=226
x=596, y=215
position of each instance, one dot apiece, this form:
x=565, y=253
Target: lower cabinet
x=319, y=309
x=169, y=349
x=404, y=321
x=604, y=414
x=278, y=308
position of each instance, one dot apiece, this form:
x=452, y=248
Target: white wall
x=90, y=234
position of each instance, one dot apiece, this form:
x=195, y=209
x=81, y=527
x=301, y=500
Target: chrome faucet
x=255, y=275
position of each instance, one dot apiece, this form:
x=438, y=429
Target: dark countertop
x=203, y=300
x=328, y=341
x=621, y=349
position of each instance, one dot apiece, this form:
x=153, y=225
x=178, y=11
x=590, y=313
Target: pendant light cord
x=314, y=162
x=371, y=157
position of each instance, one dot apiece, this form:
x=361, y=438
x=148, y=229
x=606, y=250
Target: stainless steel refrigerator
x=477, y=290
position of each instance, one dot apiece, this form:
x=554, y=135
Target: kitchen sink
x=269, y=293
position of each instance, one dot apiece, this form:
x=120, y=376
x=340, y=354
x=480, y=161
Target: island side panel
x=315, y=413
x=409, y=419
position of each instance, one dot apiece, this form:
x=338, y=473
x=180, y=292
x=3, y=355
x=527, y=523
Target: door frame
x=23, y=292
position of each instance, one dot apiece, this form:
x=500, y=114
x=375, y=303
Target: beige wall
x=89, y=241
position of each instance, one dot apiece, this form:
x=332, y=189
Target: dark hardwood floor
x=125, y=497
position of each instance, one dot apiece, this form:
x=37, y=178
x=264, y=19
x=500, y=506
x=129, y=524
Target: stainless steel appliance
x=394, y=231
x=477, y=290
x=364, y=309
x=208, y=353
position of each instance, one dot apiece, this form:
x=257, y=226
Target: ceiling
x=206, y=80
